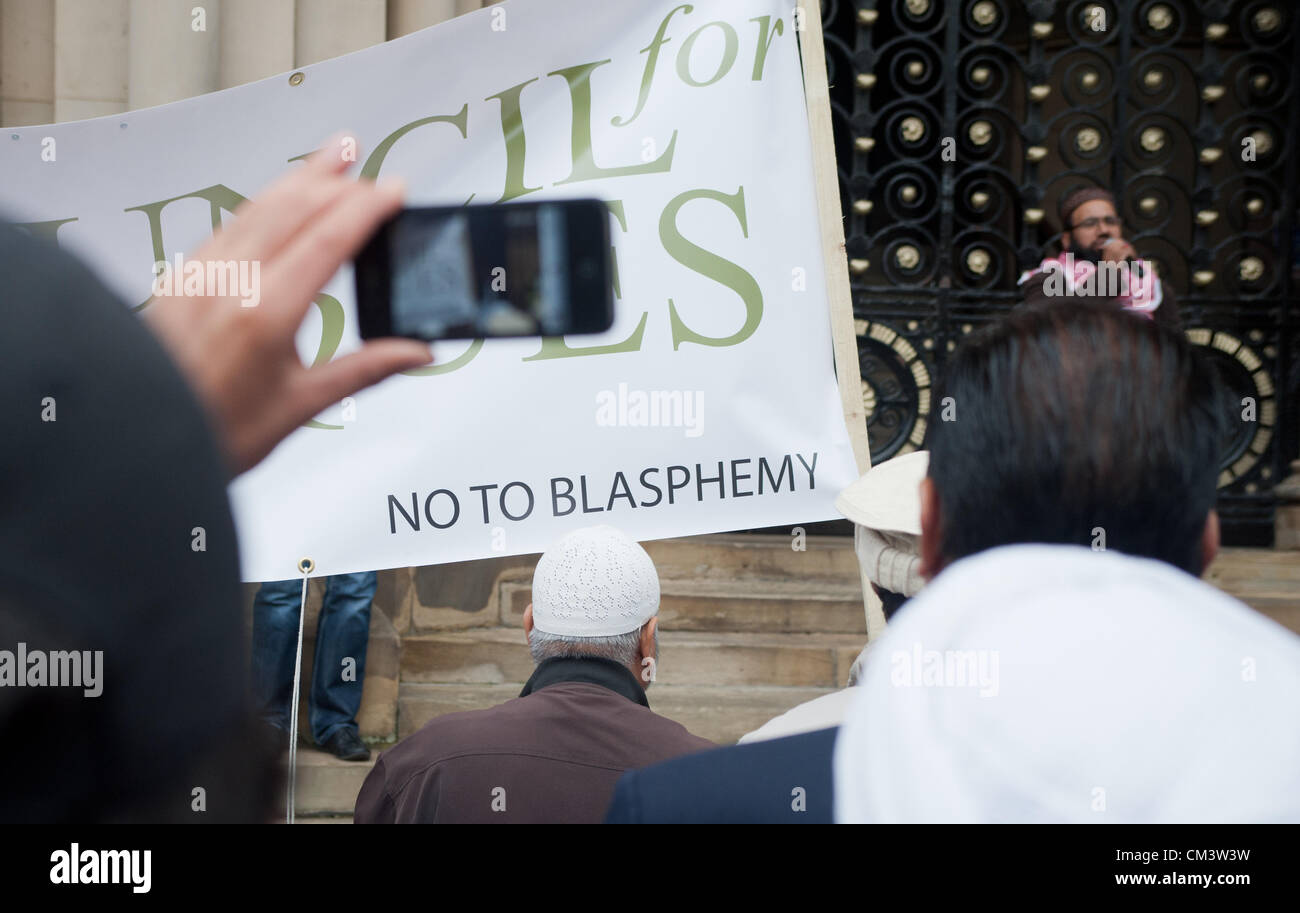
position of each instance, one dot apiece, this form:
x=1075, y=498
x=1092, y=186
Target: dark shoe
x=346, y=744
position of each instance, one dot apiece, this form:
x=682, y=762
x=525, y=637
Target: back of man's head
x=1075, y=424
x=595, y=591
x=108, y=468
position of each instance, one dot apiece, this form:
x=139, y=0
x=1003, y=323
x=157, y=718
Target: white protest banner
x=712, y=403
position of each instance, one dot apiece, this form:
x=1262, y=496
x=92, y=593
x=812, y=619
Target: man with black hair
x=1074, y=419
x=1066, y=516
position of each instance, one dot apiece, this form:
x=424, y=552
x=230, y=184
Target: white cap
x=1049, y=683
x=594, y=582
x=887, y=497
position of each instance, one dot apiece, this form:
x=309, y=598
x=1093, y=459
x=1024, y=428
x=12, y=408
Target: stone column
x=256, y=40
x=406, y=16
x=173, y=50
x=331, y=28
x=26, y=62
x=90, y=58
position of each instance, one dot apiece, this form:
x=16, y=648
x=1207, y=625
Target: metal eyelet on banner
x=306, y=565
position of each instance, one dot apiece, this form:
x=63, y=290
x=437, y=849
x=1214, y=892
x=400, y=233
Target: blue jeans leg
x=341, y=640
x=275, y=641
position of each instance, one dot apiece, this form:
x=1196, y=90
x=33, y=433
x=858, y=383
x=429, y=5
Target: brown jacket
x=551, y=755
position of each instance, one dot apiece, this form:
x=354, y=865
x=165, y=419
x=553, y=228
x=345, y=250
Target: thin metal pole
x=293, y=707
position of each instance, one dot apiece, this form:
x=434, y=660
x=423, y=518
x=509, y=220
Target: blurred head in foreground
x=123, y=692
x=1040, y=675
x=1075, y=424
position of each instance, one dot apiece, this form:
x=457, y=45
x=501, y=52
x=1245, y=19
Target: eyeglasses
x=1111, y=222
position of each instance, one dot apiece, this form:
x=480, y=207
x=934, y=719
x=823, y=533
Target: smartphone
x=489, y=270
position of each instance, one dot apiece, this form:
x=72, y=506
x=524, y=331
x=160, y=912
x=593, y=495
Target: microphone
x=1133, y=262
x=1140, y=272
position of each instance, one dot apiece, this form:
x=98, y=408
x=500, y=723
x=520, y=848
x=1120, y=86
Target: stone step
x=496, y=655
x=730, y=557
x=466, y=594
x=779, y=589
x=720, y=714
x=758, y=605
x=1266, y=580
x=326, y=785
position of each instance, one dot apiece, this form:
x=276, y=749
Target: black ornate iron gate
x=1186, y=110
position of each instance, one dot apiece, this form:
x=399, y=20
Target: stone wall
x=64, y=60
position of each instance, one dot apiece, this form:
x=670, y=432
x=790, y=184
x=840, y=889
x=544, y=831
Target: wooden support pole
x=839, y=294
x=834, y=255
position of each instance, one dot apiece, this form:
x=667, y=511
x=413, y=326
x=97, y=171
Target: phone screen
x=523, y=269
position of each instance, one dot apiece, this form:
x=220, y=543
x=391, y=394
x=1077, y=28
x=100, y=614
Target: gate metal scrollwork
x=1157, y=100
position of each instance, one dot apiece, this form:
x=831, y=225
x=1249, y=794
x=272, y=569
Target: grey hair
x=621, y=648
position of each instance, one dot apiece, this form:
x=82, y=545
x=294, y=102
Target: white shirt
x=1053, y=683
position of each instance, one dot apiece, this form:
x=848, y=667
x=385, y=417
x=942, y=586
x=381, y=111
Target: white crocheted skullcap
x=594, y=582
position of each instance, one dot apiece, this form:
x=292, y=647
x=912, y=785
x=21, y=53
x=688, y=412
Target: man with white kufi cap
x=554, y=753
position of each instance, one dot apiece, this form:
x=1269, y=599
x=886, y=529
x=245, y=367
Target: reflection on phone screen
x=480, y=273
